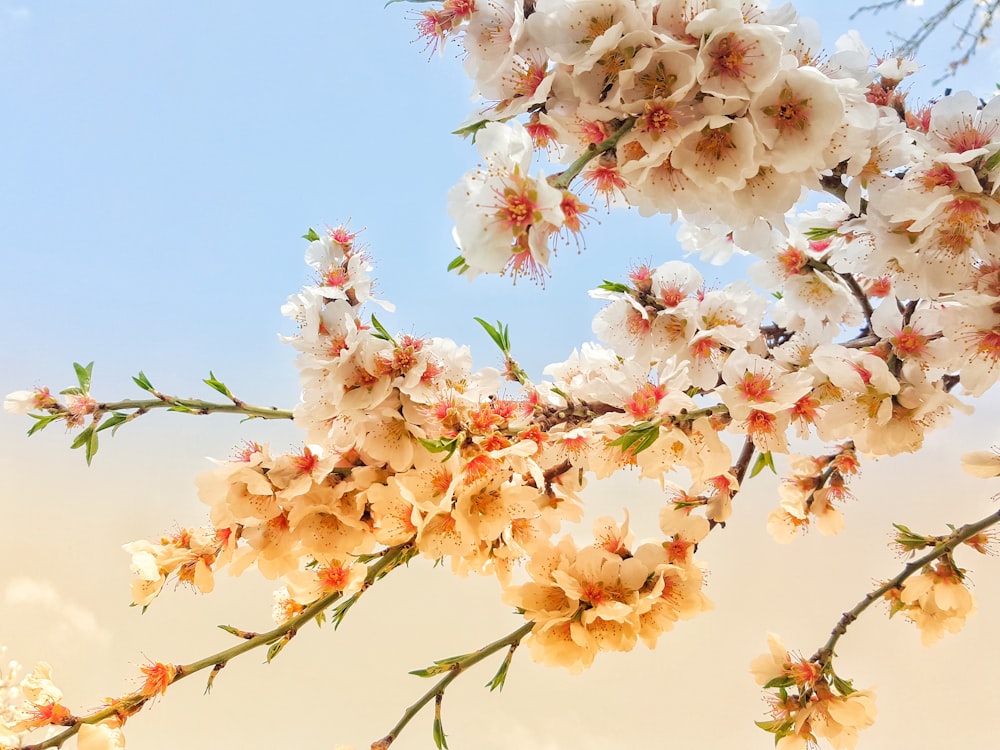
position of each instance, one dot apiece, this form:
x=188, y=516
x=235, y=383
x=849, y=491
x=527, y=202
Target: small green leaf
x=74, y=391
x=448, y=446
x=83, y=374
x=382, y=333
x=764, y=460
x=614, y=286
x=143, y=382
x=341, y=610
x=217, y=385
x=778, y=726
x=430, y=671
x=780, y=681
x=237, y=632
x=44, y=420
x=844, y=687
x=180, y=408
x=458, y=263
x=91, y=449
x=993, y=162
x=275, y=648
x=638, y=438
x=311, y=235
x=116, y=420
x=472, y=129
x=560, y=392
x=500, y=334
x=910, y=540
x=817, y=234
x=81, y=439
x=212, y=675
x=320, y=619
x=439, y=737
x=501, y=676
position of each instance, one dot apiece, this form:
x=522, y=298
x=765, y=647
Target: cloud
x=17, y=14
x=65, y=621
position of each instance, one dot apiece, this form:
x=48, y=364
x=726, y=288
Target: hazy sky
x=160, y=162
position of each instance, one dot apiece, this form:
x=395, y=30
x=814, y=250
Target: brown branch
x=825, y=654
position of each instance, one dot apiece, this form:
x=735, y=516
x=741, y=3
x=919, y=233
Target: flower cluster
x=809, y=702
x=608, y=597
x=811, y=494
x=720, y=111
x=937, y=600
x=33, y=702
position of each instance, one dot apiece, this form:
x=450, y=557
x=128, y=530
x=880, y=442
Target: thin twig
x=824, y=655
x=453, y=671
x=132, y=702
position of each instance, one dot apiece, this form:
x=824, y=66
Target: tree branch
x=947, y=544
x=454, y=667
x=133, y=702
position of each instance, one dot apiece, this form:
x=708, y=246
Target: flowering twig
x=133, y=702
x=945, y=546
x=193, y=406
x=564, y=178
x=452, y=668
x=79, y=405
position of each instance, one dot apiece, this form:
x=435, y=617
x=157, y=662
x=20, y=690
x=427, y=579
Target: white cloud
x=64, y=620
x=17, y=14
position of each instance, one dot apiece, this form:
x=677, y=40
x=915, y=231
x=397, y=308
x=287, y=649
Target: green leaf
x=275, y=648
x=212, y=675
x=778, y=726
x=441, y=445
x=311, y=235
x=217, y=385
x=500, y=334
x=91, y=448
x=501, y=676
x=820, y=233
x=764, y=460
x=81, y=439
x=143, y=382
x=320, y=618
x=780, y=681
x=638, y=438
x=382, y=333
x=116, y=420
x=341, y=610
x=391, y=2
x=458, y=263
x=844, y=687
x=87, y=439
x=74, y=391
x=83, y=374
x=439, y=737
x=472, y=129
x=910, y=540
x=237, y=632
x=44, y=420
x=614, y=286
x=992, y=162
x=430, y=671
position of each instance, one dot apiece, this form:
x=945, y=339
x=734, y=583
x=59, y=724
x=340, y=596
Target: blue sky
x=159, y=162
